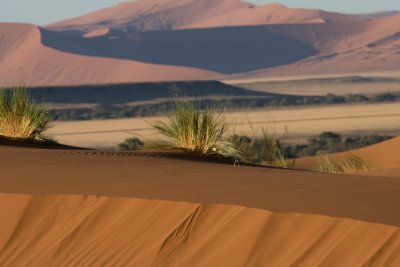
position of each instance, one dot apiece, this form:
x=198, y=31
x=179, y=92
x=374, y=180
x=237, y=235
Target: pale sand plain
x=296, y=124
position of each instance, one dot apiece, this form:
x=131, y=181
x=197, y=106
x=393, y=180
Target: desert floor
x=339, y=84
x=304, y=122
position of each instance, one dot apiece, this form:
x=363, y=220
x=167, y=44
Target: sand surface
x=33, y=171
x=99, y=231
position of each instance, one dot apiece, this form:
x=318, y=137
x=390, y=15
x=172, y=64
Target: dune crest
x=96, y=231
x=24, y=58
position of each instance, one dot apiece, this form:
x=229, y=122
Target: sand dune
x=99, y=231
x=382, y=156
x=383, y=173
x=273, y=14
x=155, y=176
x=25, y=59
x=371, y=46
x=144, y=15
x=188, y=213
x=224, y=50
x=157, y=40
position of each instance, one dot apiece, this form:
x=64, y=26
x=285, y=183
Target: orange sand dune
x=100, y=231
x=32, y=171
x=384, y=172
x=25, y=59
x=384, y=155
x=273, y=14
x=147, y=15
x=370, y=46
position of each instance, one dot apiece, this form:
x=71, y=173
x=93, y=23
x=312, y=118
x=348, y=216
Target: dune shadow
x=124, y=93
x=227, y=50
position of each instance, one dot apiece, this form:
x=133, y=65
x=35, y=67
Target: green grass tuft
x=20, y=116
x=191, y=129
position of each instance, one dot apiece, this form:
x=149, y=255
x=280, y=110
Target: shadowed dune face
x=225, y=50
x=100, y=231
x=25, y=59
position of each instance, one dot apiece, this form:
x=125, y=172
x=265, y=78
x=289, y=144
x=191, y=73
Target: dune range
x=187, y=40
x=151, y=209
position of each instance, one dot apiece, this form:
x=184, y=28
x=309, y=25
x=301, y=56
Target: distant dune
x=24, y=58
x=154, y=40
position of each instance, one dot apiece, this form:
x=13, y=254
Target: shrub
x=349, y=164
x=20, y=116
x=266, y=149
x=191, y=129
x=131, y=144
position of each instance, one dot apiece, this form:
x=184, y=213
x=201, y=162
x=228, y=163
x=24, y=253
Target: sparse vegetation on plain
x=266, y=150
x=131, y=144
x=109, y=111
x=350, y=164
x=191, y=129
x=20, y=116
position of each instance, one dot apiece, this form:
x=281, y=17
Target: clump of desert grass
x=20, y=116
x=264, y=149
x=194, y=130
x=350, y=164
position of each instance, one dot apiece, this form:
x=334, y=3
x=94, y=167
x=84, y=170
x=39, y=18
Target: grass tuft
x=350, y=164
x=202, y=131
x=20, y=116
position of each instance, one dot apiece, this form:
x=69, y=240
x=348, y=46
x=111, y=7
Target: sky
x=42, y=12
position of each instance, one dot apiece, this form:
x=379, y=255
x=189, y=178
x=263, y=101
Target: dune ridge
x=25, y=59
x=96, y=231
x=149, y=176
x=155, y=40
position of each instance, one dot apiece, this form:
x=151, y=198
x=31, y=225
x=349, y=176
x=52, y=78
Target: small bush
x=266, y=149
x=349, y=164
x=20, y=116
x=192, y=129
x=131, y=144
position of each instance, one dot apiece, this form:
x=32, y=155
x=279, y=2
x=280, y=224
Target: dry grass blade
x=350, y=164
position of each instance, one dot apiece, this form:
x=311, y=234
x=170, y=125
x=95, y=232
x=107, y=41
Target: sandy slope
x=145, y=15
x=32, y=171
x=273, y=14
x=384, y=155
x=374, y=46
x=23, y=58
x=99, y=231
x=50, y=225
x=184, y=14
